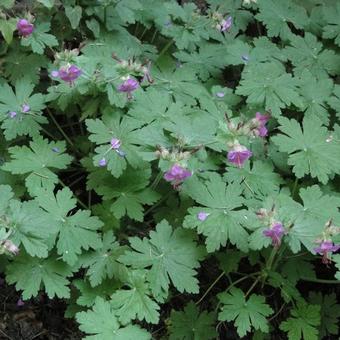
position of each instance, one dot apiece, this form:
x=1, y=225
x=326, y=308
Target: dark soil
x=39, y=318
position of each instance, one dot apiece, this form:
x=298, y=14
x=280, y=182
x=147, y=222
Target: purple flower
x=326, y=247
x=261, y=120
x=25, y=108
x=202, y=216
x=128, y=86
x=12, y=114
x=68, y=74
x=115, y=143
x=238, y=155
x=102, y=162
x=24, y=27
x=275, y=232
x=20, y=303
x=220, y=94
x=55, y=149
x=177, y=174
x=226, y=24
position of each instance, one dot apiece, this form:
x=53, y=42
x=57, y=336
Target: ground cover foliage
x=171, y=169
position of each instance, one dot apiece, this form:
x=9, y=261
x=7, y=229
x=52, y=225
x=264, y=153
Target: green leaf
x=260, y=179
x=7, y=4
x=332, y=29
x=36, y=161
x=24, y=123
x=191, y=324
x=315, y=93
x=75, y=232
x=276, y=15
x=74, y=15
x=135, y=302
x=39, y=39
x=30, y=273
x=102, y=131
x=308, y=53
x=246, y=313
x=7, y=28
x=171, y=254
x=268, y=85
x=330, y=312
x=308, y=220
x=129, y=192
x=30, y=226
x=222, y=202
x=334, y=101
x=303, y=322
x=102, y=323
x=19, y=65
x=311, y=150
x=103, y=262
x=47, y=3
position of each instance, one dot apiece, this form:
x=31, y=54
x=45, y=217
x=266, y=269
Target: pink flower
x=25, y=108
x=128, y=86
x=202, y=216
x=68, y=74
x=275, y=232
x=24, y=27
x=177, y=174
x=20, y=303
x=326, y=247
x=238, y=155
x=115, y=143
x=225, y=24
x=261, y=121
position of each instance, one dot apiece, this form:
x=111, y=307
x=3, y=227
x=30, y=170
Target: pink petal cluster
x=238, y=155
x=67, y=73
x=177, y=174
x=261, y=121
x=275, y=232
x=115, y=143
x=24, y=27
x=326, y=247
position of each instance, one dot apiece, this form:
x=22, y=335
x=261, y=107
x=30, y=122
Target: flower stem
x=60, y=128
x=295, y=187
x=166, y=47
x=311, y=279
x=210, y=288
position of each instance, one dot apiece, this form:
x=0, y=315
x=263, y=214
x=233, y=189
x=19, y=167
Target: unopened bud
x=10, y=247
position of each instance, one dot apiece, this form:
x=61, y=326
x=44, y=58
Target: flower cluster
x=115, y=145
x=25, y=108
x=256, y=127
x=275, y=229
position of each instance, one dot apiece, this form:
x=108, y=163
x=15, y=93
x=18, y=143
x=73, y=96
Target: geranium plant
x=170, y=169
